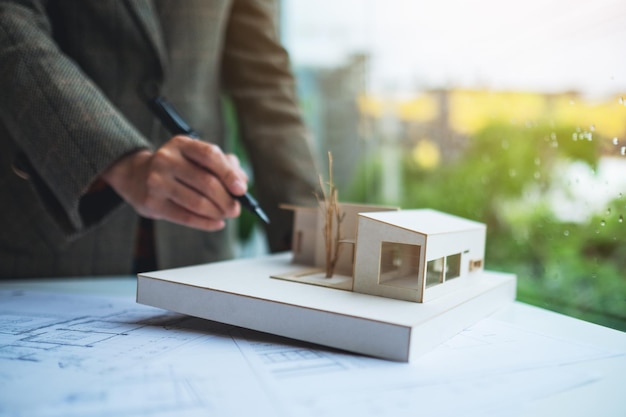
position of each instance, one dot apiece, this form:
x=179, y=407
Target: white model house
x=414, y=255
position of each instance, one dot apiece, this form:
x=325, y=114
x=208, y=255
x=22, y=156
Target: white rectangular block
x=241, y=293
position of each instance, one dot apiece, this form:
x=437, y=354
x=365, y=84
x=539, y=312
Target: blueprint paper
x=79, y=355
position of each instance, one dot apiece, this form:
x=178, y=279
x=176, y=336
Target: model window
x=399, y=264
x=453, y=266
x=434, y=272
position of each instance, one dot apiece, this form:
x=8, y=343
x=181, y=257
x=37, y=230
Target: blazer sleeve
x=257, y=75
x=66, y=130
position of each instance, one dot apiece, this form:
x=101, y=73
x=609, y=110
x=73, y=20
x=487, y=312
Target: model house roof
x=425, y=221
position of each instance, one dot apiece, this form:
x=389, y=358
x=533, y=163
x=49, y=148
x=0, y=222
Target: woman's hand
x=186, y=181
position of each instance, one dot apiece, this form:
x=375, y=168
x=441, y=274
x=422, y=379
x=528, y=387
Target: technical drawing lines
x=118, y=333
x=12, y=323
x=285, y=358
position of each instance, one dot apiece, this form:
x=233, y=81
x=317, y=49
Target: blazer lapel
x=147, y=18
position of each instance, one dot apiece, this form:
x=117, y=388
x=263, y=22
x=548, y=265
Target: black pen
x=170, y=118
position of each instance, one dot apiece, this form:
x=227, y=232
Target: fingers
x=234, y=161
x=210, y=157
x=175, y=213
x=162, y=197
x=185, y=181
x=190, y=185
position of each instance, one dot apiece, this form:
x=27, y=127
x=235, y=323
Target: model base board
x=241, y=293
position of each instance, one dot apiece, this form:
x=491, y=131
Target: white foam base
x=241, y=293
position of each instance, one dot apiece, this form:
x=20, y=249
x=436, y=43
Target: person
x=92, y=182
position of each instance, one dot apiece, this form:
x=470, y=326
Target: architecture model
x=412, y=255
x=374, y=280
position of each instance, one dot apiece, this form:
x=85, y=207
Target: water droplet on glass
x=602, y=223
x=566, y=233
x=553, y=136
x=608, y=211
x=621, y=100
x=623, y=150
x=592, y=128
x=574, y=136
x=537, y=175
x=621, y=218
x=615, y=141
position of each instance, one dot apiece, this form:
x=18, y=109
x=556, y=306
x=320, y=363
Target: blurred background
x=508, y=113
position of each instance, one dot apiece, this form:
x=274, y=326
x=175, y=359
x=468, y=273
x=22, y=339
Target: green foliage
x=501, y=179
x=246, y=222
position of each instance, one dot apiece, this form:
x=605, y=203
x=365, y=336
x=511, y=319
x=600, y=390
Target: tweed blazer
x=73, y=81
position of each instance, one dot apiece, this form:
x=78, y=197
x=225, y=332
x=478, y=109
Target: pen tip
x=262, y=215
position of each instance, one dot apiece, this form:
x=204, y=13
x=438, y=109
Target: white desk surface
x=83, y=347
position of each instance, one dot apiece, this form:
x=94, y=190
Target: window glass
x=511, y=114
x=453, y=266
x=434, y=272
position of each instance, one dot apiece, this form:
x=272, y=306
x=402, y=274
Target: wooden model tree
x=332, y=219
